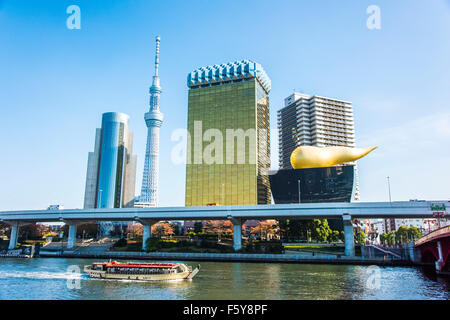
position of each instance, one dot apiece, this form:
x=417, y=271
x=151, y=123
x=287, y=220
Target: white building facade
x=314, y=121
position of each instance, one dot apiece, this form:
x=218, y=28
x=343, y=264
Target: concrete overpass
x=236, y=214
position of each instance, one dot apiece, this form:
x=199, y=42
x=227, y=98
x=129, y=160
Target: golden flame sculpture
x=317, y=157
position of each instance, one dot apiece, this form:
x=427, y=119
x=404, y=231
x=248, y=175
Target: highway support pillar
x=237, y=233
x=147, y=231
x=13, y=236
x=348, y=235
x=72, y=238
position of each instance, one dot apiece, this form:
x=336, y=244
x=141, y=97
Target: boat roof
x=137, y=265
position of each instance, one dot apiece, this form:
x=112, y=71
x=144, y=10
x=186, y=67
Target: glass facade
x=329, y=184
x=111, y=161
x=111, y=167
x=233, y=116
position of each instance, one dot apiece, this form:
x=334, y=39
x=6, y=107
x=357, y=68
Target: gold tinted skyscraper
x=228, y=154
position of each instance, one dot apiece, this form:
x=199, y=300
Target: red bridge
x=435, y=248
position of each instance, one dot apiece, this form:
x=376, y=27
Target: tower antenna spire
x=153, y=119
x=158, y=39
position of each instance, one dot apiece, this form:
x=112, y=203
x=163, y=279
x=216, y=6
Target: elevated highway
x=236, y=214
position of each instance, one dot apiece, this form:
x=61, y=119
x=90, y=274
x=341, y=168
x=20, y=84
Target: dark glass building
x=329, y=184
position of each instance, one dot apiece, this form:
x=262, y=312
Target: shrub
x=122, y=242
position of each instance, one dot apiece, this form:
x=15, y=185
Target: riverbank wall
x=230, y=257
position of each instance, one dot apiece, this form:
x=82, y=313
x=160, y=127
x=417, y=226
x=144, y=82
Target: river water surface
x=51, y=278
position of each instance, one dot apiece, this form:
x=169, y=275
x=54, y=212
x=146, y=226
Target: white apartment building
x=314, y=121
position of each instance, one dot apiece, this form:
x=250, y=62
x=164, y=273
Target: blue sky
x=55, y=83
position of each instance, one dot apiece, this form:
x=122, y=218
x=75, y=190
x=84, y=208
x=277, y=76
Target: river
x=52, y=278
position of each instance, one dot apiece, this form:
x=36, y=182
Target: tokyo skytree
x=153, y=119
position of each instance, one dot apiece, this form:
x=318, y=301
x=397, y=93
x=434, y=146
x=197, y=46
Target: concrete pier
x=348, y=236
x=72, y=236
x=147, y=232
x=237, y=233
x=13, y=237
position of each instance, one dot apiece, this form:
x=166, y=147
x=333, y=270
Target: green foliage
x=198, y=227
x=402, y=235
x=319, y=230
x=202, y=235
x=272, y=247
x=90, y=230
x=122, y=242
x=360, y=237
x=176, y=229
x=334, y=236
x=414, y=233
x=315, y=230
x=157, y=244
x=3, y=244
x=4, y=229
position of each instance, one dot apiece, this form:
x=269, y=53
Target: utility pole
x=388, y=221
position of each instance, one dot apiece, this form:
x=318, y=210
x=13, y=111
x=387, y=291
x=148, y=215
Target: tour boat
x=140, y=271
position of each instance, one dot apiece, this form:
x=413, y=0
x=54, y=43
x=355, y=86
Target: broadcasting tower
x=153, y=119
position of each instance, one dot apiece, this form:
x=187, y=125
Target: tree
x=402, y=234
x=334, y=236
x=390, y=238
x=122, y=242
x=162, y=229
x=135, y=230
x=414, y=233
x=88, y=230
x=118, y=230
x=293, y=229
x=265, y=228
x=360, y=238
x=319, y=230
x=32, y=231
x=4, y=229
x=198, y=227
x=176, y=228
x=219, y=227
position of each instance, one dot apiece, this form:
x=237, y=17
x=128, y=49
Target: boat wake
x=42, y=275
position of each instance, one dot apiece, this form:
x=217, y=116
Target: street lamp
x=223, y=194
x=61, y=236
x=389, y=188
x=299, y=199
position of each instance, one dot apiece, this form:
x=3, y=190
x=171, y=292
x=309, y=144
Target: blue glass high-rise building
x=111, y=172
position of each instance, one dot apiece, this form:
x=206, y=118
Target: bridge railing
x=433, y=235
